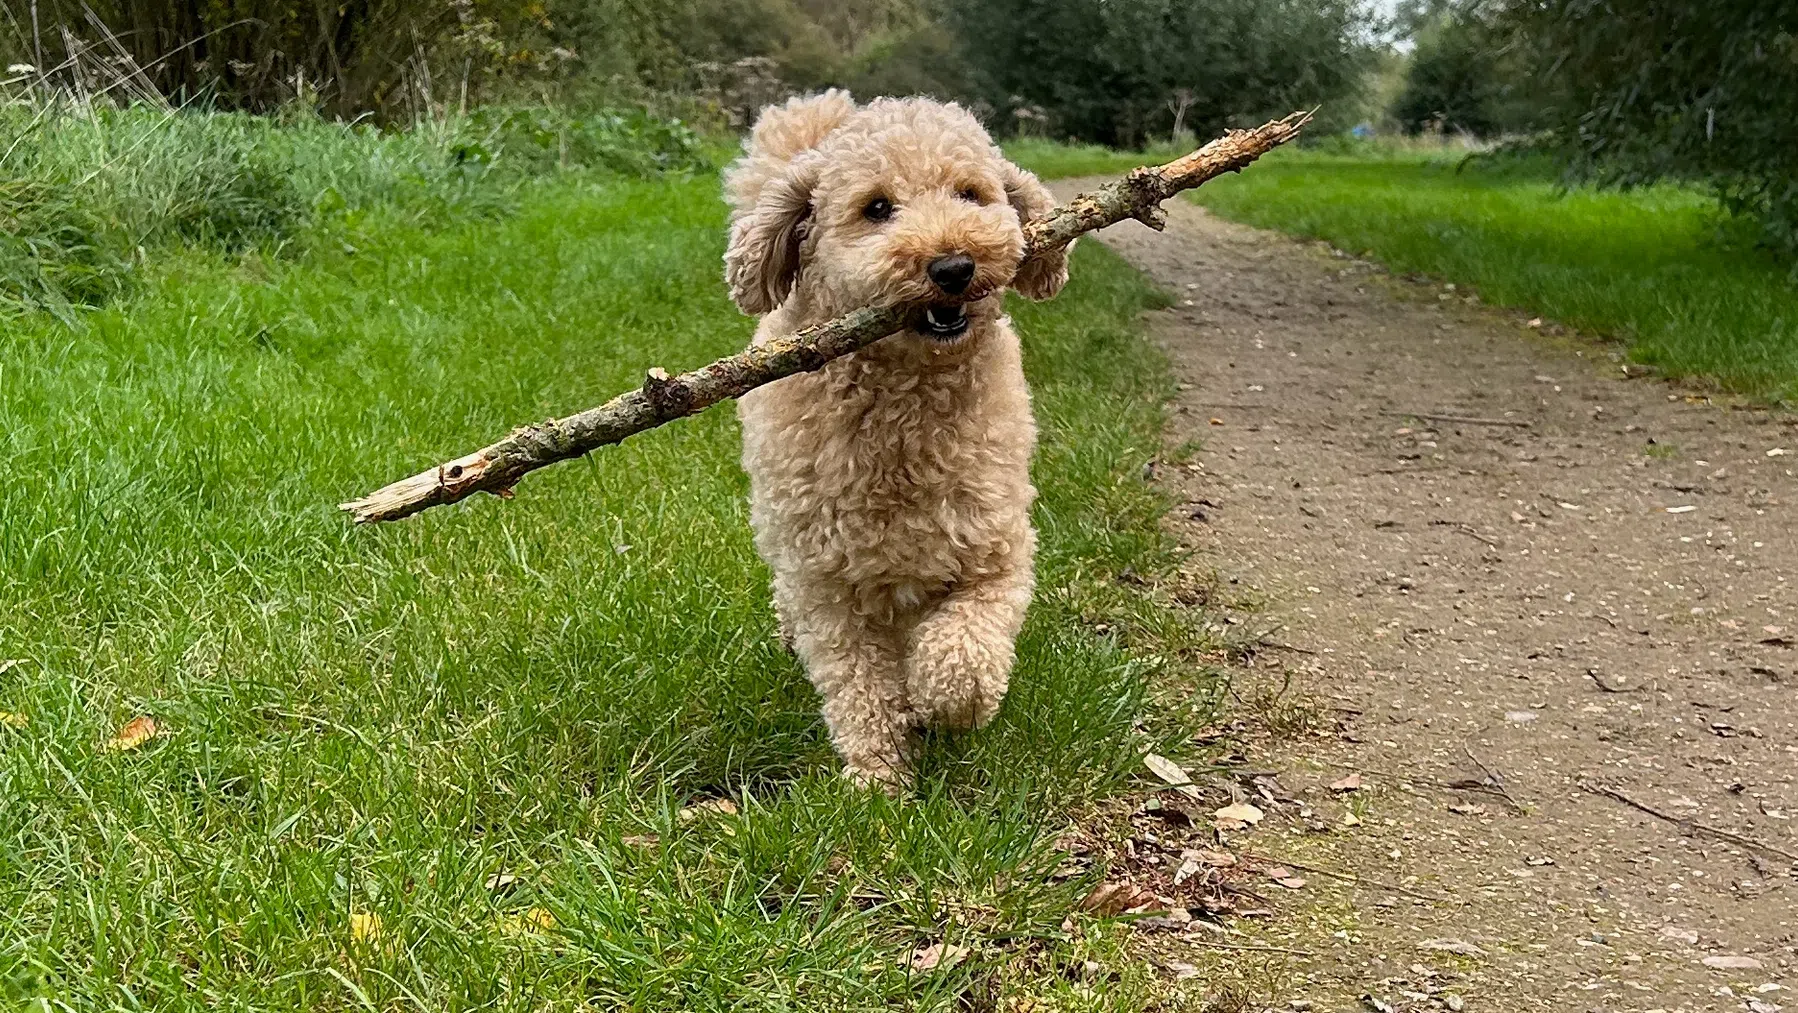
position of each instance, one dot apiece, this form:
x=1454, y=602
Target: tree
x=1121, y=71
x=1697, y=90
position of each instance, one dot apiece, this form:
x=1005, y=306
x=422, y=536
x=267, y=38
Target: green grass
x=1659, y=269
x=375, y=721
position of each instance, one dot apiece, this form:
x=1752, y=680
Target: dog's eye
x=971, y=196
x=878, y=210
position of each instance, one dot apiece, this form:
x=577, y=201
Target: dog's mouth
x=943, y=322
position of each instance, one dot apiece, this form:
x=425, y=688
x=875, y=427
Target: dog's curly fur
x=890, y=490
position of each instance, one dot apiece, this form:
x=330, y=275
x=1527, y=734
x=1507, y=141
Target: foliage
x=1454, y=81
x=1117, y=72
x=1698, y=90
x=1658, y=268
x=92, y=190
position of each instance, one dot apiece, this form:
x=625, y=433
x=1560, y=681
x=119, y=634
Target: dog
x=890, y=490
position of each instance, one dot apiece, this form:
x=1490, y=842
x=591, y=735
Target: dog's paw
x=956, y=681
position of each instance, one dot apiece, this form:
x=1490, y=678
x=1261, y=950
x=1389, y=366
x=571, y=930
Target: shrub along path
x=1497, y=557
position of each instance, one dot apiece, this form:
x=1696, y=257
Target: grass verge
x=1660, y=269
x=451, y=763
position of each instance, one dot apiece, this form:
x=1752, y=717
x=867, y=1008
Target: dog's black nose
x=952, y=273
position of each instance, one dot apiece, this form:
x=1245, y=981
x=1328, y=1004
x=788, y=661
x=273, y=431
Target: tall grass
x=90, y=189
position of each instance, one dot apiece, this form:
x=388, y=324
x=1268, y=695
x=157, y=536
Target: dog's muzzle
x=943, y=321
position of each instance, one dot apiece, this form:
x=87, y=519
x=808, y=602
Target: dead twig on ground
x=663, y=398
x=1689, y=825
x=1464, y=420
x=1247, y=947
x=1468, y=530
x=1347, y=877
x=1463, y=784
x=1492, y=781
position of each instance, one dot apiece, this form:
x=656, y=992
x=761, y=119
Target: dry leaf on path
x=929, y=958
x=136, y=732
x=1238, y=816
x=1171, y=773
x=1109, y=899
x=532, y=921
x=1468, y=808
x=365, y=926
x=1350, y=783
x=1732, y=963
x=710, y=807
x=1217, y=859
x=1285, y=877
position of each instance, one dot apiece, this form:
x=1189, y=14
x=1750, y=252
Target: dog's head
x=897, y=201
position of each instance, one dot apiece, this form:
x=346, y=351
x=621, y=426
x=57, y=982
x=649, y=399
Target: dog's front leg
x=959, y=658
x=857, y=669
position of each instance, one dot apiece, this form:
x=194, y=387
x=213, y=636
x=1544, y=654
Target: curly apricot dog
x=890, y=490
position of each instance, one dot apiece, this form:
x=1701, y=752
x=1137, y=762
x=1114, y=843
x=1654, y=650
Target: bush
x=1118, y=72
x=1697, y=90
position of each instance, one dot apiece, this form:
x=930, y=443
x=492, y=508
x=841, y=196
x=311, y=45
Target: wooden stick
x=1465, y=420
x=663, y=398
x=1692, y=826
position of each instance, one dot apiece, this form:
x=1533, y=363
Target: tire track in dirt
x=1594, y=593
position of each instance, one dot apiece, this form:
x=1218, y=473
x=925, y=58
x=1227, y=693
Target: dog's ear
x=1043, y=276
x=762, y=261
x=782, y=133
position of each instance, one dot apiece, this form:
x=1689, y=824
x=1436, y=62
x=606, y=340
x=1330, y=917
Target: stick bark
x=663, y=398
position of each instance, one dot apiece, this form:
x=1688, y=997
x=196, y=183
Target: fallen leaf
x=11, y=720
x=1732, y=963
x=1217, y=859
x=1109, y=899
x=1460, y=946
x=1181, y=970
x=1534, y=322
x=1350, y=820
x=640, y=840
x=929, y=958
x=500, y=881
x=1217, y=421
x=1468, y=808
x=710, y=807
x=1290, y=882
x=1350, y=783
x=1172, y=774
x=136, y=732
x=1188, y=869
x=365, y=926
x=529, y=922
x=1235, y=817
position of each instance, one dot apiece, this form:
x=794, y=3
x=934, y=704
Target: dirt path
x=1594, y=593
